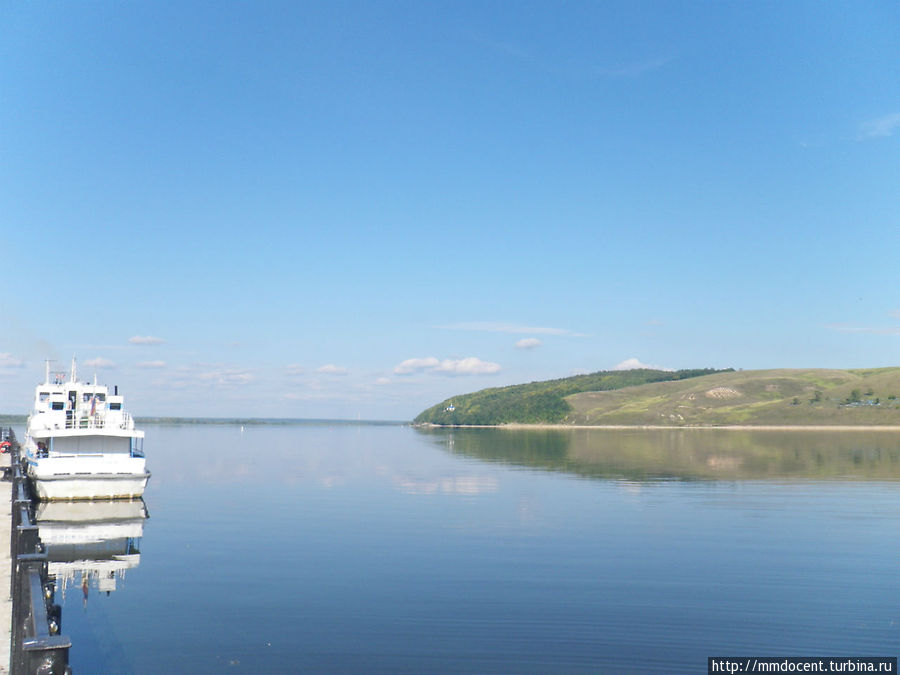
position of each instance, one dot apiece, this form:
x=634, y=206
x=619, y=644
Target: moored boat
x=81, y=443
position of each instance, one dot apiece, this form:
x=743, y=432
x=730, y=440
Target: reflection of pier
x=91, y=544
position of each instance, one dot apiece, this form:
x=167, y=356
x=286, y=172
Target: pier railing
x=37, y=646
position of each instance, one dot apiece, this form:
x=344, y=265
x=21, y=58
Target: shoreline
x=517, y=426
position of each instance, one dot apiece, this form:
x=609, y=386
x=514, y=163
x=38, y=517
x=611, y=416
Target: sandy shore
x=733, y=427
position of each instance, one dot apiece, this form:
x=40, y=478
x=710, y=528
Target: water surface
x=345, y=549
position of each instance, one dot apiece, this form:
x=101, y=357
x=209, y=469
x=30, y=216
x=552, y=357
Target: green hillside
x=540, y=402
x=757, y=398
x=792, y=397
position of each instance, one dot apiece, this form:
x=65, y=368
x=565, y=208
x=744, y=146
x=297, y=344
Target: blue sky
x=345, y=209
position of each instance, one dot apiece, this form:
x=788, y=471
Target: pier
x=29, y=619
x=5, y=558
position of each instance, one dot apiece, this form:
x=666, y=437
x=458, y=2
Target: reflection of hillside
x=705, y=454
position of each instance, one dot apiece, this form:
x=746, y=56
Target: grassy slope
x=761, y=397
x=538, y=402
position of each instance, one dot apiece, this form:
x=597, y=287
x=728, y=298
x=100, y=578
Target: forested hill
x=541, y=402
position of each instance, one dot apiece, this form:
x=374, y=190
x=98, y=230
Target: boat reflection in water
x=91, y=544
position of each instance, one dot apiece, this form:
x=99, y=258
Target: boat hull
x=67, y=487
x=87, y=477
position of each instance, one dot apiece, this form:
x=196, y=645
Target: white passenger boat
x=81, y=444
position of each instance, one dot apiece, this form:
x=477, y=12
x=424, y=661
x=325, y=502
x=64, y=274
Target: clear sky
x=358, y=209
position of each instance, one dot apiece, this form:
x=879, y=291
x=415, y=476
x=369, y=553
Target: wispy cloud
x=312, y=396
x=9, y=362
x=633, y=364
x=99, y=362
x=528, y=343
x=871, y=330
x=146, y=340
x=468, y=366
x=151, y=364
x=880, y=127
x=206, y=374
x=294, y=369
x=331, y=369
x=504, y=327
x=229, y=376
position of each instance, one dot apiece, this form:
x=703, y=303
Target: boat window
x=115, y=406
x=44, y=395
x=85, y=397
x=57, y=405
x=101, y=397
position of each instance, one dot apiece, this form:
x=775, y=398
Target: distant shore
x=730, y=427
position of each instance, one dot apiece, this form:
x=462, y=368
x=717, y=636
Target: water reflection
x=450, y=485
x=689, y=454
x=91, y=544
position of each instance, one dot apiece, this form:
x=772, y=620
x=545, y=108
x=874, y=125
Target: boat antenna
x=74, y=378
x=46, y=371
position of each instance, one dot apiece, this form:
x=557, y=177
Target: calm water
x=345, y=549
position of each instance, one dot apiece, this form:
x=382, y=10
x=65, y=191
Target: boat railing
x=85, y=422
x=37, y=646
x=97, y=421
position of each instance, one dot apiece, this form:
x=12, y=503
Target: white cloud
x=8, y=361
x=205, y=374
x=226, y=376
x=146, y=340
x=528, y=343
x=467, y=366
x=331, y=369
x=415, y=365
x=632, y=364
x=383, y=380
x=879, y=127
x=294, y=369
x=502, y=327
x=151, y=364
x=99, y=362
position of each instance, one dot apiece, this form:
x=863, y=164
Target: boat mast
x=46, y=371
x=74, y=378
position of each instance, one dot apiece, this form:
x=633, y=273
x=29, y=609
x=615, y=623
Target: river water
x=329, y=548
